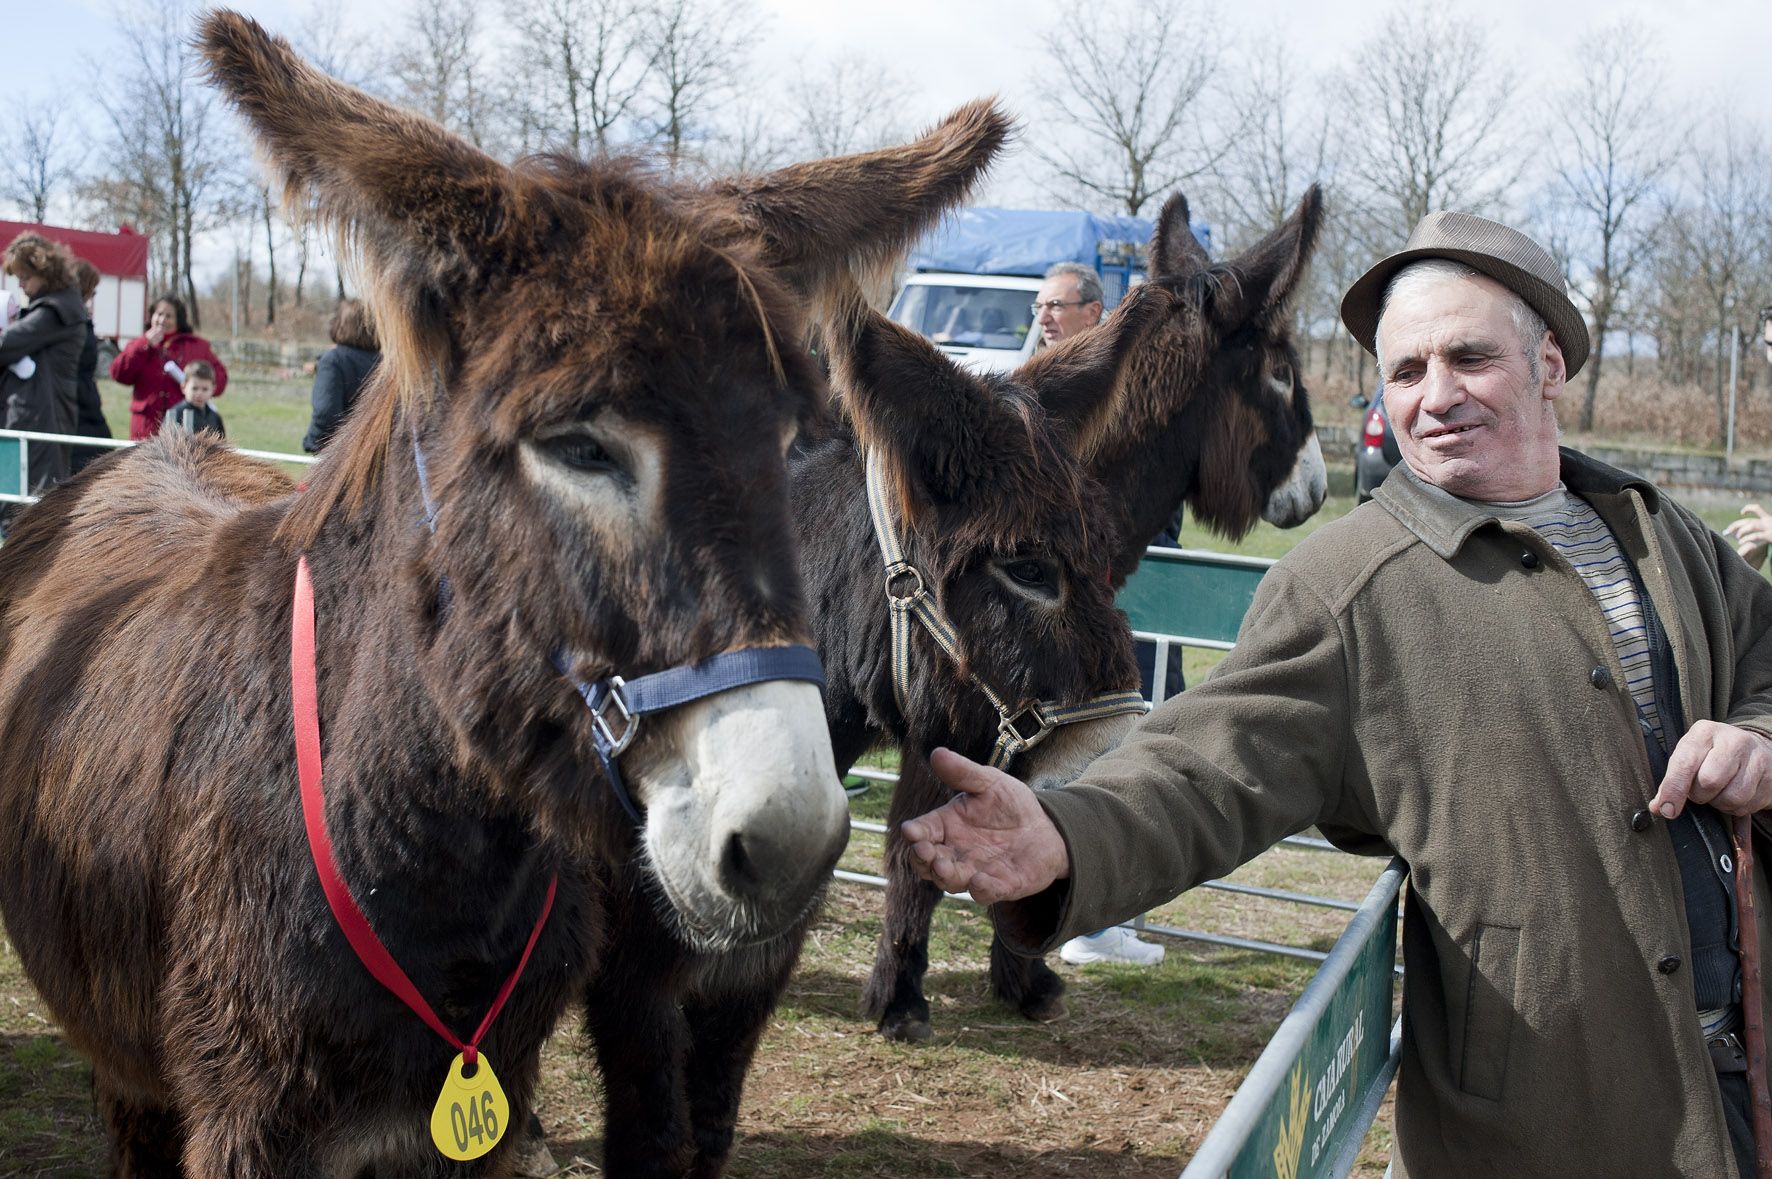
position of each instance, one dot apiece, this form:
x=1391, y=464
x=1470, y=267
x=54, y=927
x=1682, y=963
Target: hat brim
x=1360, y=306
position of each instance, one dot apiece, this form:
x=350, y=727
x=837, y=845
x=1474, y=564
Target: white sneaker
x=1118, y=944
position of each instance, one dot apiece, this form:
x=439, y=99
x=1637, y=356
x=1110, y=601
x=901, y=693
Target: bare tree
x=267, y=207
x=1720, y=229
x=167, y=159
x=748, y=137
x=1282, y=146
x=584, y=67
x=439, y=72
x=698, y=52
x=1126, y=98
x=1423, y=111
x=852, y=104
x=39, y=159
x=1616, y=141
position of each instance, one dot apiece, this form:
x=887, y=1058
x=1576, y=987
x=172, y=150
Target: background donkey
x=594, y=376
x=1209, y=409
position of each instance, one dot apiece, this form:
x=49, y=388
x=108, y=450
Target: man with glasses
x=1069, y=301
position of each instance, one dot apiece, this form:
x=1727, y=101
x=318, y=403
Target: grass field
x=1126, y=1085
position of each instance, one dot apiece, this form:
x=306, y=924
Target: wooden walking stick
x=1752, y=1011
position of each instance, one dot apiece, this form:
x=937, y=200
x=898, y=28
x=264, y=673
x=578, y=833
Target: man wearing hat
x=1541, y=682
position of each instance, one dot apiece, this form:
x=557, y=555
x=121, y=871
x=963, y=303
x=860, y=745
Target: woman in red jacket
x=154, y=365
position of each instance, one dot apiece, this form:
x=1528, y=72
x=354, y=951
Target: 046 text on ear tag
x=471, y=1113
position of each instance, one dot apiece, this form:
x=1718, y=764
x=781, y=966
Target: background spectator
x=341, y=371
x=195, y=413
x=40, y=351
x=1752, y=533
x=89, y=410
x=154, y=365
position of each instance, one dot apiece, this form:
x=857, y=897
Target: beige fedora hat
x=1505, y=255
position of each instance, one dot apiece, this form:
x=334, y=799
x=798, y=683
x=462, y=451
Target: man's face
x=1063, y=322
x=1467, y=414
x=198, y=391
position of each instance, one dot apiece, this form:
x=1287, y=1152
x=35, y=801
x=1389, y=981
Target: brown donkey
x=1002, y=493
x=1208, y=409
x=571, y=467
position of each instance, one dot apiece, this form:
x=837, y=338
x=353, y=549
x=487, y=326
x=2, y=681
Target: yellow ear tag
x=471, y=1113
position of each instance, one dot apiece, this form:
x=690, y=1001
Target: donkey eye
x=581, y=452
x=1283, y=374
x=1029, y=573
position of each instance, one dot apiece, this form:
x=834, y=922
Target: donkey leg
x=1026, y=984
x=894, y=994
x=147, y=1141
x=642, y=1044
x=724, y=1034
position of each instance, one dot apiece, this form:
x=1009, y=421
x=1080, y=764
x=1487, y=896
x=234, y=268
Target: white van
x=984, y=321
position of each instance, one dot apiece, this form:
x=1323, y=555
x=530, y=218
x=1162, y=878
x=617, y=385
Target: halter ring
x=630, y=724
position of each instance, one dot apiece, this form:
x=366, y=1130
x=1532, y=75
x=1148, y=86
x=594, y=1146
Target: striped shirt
x=1572, y=527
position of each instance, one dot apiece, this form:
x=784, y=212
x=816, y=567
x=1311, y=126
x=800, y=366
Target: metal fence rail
x=15, y=458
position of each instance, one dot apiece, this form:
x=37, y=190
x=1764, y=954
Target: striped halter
x=1019, y=729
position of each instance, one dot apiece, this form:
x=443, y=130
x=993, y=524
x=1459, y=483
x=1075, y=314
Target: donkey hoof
x=1045, y=1009
x=906, y=1029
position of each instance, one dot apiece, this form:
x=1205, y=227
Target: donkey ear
x=406, y=191
x=856, y=213
x=1078, y=381
x=929, y=418
x=1175, y=251
x=1266, y=274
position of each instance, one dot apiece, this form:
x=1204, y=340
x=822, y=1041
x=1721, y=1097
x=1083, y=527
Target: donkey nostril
x=737, y=870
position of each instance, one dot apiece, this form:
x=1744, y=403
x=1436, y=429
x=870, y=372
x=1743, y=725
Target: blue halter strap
x=617, y=705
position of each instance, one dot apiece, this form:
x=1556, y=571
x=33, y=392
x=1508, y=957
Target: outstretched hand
x=1751, y=534
x=992, y=839
x=1727, y=767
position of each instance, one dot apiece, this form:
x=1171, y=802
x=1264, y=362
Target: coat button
x=1599, y=677
x=1641, y=821
x=1529, y=559
x=1668, y=964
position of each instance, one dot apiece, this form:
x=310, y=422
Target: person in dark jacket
x=89, y=410
x=343, y=368
x=40, y=353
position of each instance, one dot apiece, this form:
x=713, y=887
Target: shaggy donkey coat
x=599, y=372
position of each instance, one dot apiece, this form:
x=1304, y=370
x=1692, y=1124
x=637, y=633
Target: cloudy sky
x=1717, y=51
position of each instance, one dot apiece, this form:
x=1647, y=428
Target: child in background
x=194, y=412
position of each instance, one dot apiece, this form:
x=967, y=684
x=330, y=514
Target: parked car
x=1375, y=451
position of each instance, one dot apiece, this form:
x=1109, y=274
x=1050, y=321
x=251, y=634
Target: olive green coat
x=1420, y=678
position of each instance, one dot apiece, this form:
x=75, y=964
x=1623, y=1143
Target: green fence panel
x=9, y=463
x=1191, y=593
x=1313, y=1093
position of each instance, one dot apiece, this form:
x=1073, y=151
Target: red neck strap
x=350, y=918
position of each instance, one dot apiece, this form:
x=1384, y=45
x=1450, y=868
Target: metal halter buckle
x=1012, y=728
x=917, y=589
x=630, y=724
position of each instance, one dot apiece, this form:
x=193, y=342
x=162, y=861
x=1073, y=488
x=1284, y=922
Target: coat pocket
x=1489, y=1007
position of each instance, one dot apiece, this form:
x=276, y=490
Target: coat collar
x=1443, y=522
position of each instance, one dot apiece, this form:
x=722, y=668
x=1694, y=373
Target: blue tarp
x=1022, y=241
x=1027, y=241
